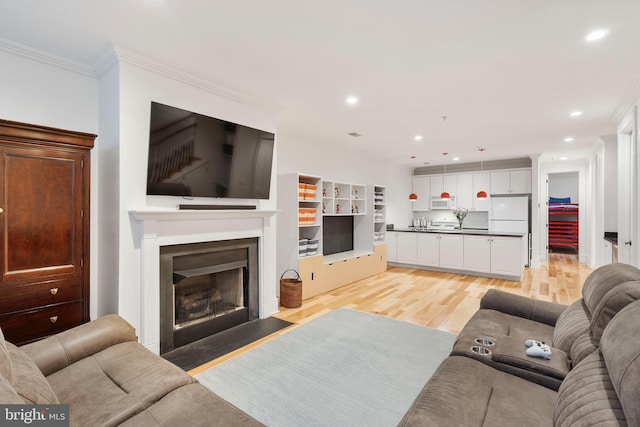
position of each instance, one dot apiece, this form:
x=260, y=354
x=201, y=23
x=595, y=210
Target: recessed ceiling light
x=596, y=35
x=352, y=100
x=455, y=159
x=568, y=139
x=563, y=158
x=576, y=114
x=418, y=137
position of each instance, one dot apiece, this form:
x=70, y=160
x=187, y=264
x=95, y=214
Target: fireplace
x=206, y=288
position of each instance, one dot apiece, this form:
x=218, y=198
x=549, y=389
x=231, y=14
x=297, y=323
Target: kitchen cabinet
x=477, y=253
x=481, y=181
x=429, y=249
x=451, y=251
x=440, y=183
x=464, y=193
x=392, y=246
x=511, y=182
x=422, y=188
x=507, y=255
x=408, y=248
x=440, y=250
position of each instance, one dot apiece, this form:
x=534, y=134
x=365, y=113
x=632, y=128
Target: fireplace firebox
x=206, y=288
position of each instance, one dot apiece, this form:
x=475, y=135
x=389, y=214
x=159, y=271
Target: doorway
x=563, y=213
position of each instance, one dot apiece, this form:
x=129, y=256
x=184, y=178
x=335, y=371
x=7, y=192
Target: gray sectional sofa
x=108, y=379
x=592, y=378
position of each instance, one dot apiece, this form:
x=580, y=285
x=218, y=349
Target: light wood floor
x=438, y=300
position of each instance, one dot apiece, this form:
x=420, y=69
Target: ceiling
x=504, y=73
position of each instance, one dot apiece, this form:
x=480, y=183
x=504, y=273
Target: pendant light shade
x=444, y=195
x=481, y=194
x=413, y=196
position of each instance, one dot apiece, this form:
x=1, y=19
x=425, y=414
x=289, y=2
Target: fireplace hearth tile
x=197, y=353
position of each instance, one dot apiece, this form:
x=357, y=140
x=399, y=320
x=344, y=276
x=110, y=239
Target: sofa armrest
x=61, y=350
x=517, y=305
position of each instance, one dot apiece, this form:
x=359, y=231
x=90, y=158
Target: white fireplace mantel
x=161, y=227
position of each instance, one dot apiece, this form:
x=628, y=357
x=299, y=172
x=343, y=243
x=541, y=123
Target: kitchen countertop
x=467, y=231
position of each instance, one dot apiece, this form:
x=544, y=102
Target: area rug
x=345, y=368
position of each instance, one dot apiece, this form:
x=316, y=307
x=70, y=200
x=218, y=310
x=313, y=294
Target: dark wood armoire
x=44, y=229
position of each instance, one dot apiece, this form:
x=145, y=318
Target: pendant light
x=444, y=195
x=481, y=194
x=413, y=196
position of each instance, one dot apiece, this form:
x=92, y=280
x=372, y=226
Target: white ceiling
x=506, y=73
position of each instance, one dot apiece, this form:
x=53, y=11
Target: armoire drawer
x=27, y=326
x=24, y=297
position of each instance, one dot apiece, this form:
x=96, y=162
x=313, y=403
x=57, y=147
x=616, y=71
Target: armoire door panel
x=42, y=219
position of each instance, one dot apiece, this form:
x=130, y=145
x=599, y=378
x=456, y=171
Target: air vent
x=355, y=134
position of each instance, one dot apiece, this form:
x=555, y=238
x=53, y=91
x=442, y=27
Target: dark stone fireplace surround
x=202, y=276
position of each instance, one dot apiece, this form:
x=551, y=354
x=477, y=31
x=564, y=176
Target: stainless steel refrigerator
x=512, y=214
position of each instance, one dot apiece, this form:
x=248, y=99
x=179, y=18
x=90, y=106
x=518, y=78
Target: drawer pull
x=53, y=319
x=53, y=291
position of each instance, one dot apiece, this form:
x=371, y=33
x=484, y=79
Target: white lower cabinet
x=493, y=254
x=392, y=246
x=429, y=249
x=451, y=251
x=408, y=248
x=477, y=253
x=440, y=250
x=506, y=255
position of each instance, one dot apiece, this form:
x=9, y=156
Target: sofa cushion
x=603, y=279
x=192, y=405
x=8, y=394
x=620, y=346
x=115, y=384
x=465, y=392
x=27, y=380
x=586, y=396
x=583, y=346
x=611, y=303
x=496, y=324
x=572, y=323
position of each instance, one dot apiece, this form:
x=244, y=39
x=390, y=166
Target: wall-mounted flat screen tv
x=337, y=234
x=192, y=155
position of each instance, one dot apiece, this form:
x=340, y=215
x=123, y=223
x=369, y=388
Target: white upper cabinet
x=465, y=194
x=422, y=188
x=511, y=182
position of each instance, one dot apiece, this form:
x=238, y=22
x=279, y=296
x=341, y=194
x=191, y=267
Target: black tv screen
x=337, y=234
x=193, y=155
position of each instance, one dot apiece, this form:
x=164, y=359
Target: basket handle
x=291, y=269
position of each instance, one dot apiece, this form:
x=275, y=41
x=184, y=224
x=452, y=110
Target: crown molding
x=34, y=54
x=119, y=54
x=629, y=100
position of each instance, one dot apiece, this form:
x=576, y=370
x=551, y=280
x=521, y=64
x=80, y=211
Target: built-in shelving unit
x=303, y=202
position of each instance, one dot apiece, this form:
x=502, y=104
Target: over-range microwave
x=438, y=203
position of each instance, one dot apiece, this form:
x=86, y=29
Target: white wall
x=36, y=91
x=298, y=153
x=564, y=184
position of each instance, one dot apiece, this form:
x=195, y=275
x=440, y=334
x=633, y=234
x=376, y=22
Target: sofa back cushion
x=620, y=346
x=28, y=381
x=572, y=323
x=603, y=279
x=610, y=304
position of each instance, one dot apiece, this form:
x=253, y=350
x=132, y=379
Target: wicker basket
x=290, y=291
